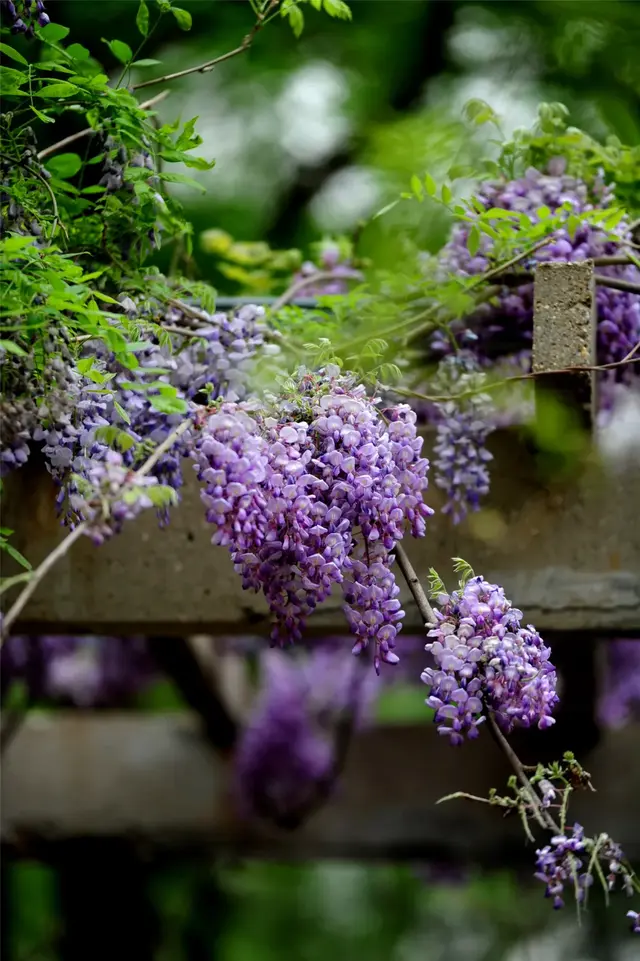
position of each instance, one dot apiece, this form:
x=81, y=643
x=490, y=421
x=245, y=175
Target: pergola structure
x=567, y=552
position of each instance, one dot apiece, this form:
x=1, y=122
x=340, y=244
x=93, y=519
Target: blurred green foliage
x=312, y=134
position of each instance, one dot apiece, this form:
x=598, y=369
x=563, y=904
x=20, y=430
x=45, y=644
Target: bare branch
x=72, y=138
x=65, y=545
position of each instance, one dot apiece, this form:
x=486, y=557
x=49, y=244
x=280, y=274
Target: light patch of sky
x=259, y=136
x=348, y=196
x=311, y=112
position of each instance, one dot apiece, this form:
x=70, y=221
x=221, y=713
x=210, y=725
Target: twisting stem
x=414, y=585
x=65, y=545
x=542, y=816
x=66, y=141
x=46, y=185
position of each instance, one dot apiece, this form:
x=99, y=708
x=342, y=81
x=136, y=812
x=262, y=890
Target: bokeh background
x=310, y=137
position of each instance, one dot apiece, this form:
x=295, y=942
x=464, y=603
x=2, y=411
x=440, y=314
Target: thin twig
x=38, y=574
x=617, y=283
x=72, y=138
x=542, y=816
x=162, y=448
x=414, y=585
x=501, y=268
x=210, y=64
x=65, y=545
x=582, y=368
x=322, y=276
x=201, y=68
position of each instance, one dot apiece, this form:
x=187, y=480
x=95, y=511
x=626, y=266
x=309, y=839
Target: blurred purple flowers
x=620, y=698
x=288, y=758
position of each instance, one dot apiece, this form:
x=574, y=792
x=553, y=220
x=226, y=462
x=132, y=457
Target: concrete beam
x=150, y=778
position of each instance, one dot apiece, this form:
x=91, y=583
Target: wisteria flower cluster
x=570, y=860
x=287, y=757
x=86, y=672
x=313, y=491
x=22, y=15
x=618, y=311
x=109, y=495
x=330, y=260
x=462, y=427
x=486, y=661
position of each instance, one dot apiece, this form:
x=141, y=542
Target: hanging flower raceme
x=485, y=661
x=289, y=756
x=315, y=490
x=23, y=15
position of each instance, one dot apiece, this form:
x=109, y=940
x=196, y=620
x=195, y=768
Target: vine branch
x=65, y=545
x=210, y=64
x=414, y=585
x=630, y=358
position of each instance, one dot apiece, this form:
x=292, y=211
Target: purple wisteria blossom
x=573, y=861
x=485, y=661
x=620, y=698
x=110, y=495
x=313, y=493
x=87, y=672
x=23, y=15
x=331, y=259
x=287, y=757
x=618, y=311
x=559, y=864
x=462, y=427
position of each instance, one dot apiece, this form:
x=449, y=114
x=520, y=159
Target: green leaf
x=142, y=18
x=296, y=20
x=168, y=404
x=183, y=18
x=53, y=32
x=446, y=194
x=337, y=8
x=146, y=63
x=12, y=348
x=11, y=245
x=182, y=179
x=416, y=186
x=64, y=165
x=17, y=556
x=78, y=52
x=436, y=584
x=473, y=241
x=430, y=185
x=61, y=89
x=463, y=568
x=12, y=54
x=121, y=50
x=122, y=412
x=42, y=116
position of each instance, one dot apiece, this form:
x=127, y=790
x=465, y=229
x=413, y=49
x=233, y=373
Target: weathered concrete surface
x=150, y=778
x=568, y=555
x=564, y=332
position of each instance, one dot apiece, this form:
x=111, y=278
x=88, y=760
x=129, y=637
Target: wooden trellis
x=566, y=551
